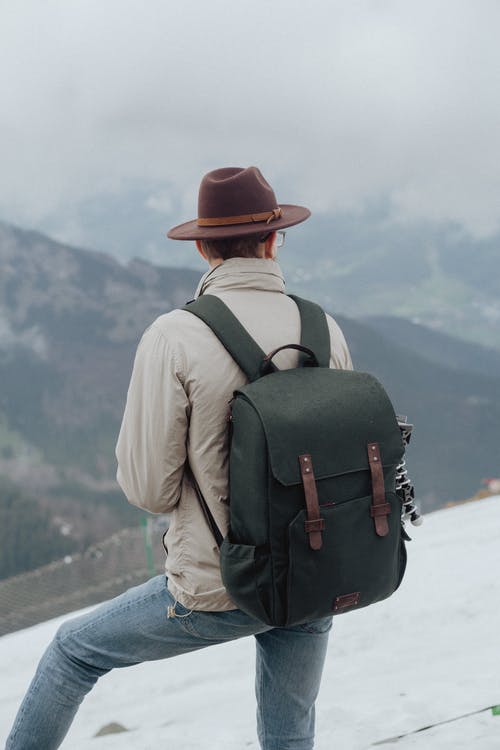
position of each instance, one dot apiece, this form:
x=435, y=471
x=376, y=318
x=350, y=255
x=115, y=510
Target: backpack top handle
x=311, y=361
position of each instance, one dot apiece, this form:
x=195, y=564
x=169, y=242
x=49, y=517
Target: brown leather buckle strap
x=314, y=524
x=380, y=509
x=221, y=221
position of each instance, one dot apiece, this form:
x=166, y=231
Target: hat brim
x=190, y=230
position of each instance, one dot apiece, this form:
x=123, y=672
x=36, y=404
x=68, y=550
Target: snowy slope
x=428, y=654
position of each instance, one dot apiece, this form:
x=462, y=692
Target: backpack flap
x=339, y=413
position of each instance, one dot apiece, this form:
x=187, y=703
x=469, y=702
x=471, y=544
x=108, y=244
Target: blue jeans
x=134, y=628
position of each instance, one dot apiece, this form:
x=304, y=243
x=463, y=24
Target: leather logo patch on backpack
x=347, y=600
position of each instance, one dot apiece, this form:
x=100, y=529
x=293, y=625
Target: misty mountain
x=359, y=263
x=455, y=413
x=365, y=265
x=70, y=321
x=436, y=346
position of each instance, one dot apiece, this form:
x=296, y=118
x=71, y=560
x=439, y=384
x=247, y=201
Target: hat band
x=268, y=216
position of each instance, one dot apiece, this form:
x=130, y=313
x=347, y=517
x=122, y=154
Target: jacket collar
x=243, y=273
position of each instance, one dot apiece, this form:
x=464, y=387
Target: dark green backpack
x=315, y=521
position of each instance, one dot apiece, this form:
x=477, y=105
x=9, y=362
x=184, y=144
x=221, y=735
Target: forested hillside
x=28, y=535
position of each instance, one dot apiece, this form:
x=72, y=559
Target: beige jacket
x=177, y=404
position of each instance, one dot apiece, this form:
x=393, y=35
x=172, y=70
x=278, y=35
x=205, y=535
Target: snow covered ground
x=428, y=654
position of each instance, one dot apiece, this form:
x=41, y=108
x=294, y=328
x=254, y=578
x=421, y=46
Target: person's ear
x=270, y=249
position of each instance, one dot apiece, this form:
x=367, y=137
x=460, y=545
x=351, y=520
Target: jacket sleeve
x=151, y=448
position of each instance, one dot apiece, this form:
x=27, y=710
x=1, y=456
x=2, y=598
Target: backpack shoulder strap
x=232, y=335
x=315, y=333
x=243, y=348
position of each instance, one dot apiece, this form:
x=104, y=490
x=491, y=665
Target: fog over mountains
x=70, y=321
x=360, y=263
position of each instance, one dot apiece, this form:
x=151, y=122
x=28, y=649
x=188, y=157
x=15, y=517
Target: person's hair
x=232, y=247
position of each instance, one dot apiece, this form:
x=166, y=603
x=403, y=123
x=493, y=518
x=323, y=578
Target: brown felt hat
x=235, y=202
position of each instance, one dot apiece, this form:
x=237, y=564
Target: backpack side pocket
x=246, y=573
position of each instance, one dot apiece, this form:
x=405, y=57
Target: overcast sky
x=340, y=103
